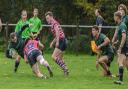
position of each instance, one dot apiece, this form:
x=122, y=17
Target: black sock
x=121, y=70
x=109, y=73
x=17, y=64
x=49, y=69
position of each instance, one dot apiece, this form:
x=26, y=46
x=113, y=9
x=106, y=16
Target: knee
x=100, y=61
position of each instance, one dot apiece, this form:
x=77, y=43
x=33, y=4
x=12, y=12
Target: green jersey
x=125, y=20
x=26, y=32
x=36, y=22
x=122, y=28
x=105, y=49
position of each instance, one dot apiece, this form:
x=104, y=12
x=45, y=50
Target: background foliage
x=66, y=12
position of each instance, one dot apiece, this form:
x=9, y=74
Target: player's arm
x=22, y=29
x=40, y=45
x=53, y=41
x=106, y=42
x=40, y=28
x=0, y=25
x=25, y=58
x=17, y=27
x=57, y=35
x=115, y=36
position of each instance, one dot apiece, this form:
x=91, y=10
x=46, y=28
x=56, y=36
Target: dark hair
x=118, y=14
x=12, y=35
x=96, y=27
x=49, y=13
x=123, y=7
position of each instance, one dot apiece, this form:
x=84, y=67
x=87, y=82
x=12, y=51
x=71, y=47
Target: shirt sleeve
x=56, y=27
x=21, y=30
x=123, y=29
x=103, y=36
x=17, y=27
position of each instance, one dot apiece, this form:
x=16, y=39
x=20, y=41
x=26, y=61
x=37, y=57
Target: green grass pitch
x=83, y=75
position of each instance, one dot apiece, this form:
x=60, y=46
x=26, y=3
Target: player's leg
x=33, y=63
x=126, y=63
x=42, y=61
x=57, y=56
x=66, y=72
x=37, y=72
x=103, y=60
x=17, y=62
x=121, y=59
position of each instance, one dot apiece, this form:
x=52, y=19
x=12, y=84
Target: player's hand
x=57, y=44
x=99, y=47
x=97, y=65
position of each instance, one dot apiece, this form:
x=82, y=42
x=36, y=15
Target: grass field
x=83, y=75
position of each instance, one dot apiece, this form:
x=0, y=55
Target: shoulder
x=102, y=35
x=126, y=16
x=31, y=19
x=100, y=18
x=123, y=25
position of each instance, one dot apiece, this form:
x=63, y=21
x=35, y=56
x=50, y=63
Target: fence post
x=6, y=33
x=77, y=36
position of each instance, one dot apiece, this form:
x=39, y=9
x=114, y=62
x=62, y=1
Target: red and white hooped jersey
x=55, y=26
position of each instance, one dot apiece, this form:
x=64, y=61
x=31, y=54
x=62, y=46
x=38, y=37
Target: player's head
x=33, y=35
x=97, y=12
x=13, y=37
x=95, y=30
x=117, y=16
x=24, y=14
x=35, y=12
x=123, y=9
x=49, y=16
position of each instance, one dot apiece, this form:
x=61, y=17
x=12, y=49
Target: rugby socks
x=109, y=73
x=16, y=65
x=61, y=64
x=121, y=70
x=45, y=63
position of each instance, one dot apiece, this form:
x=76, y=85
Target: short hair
x=96, y=27
x=118, y=14
x=49, y=13
x=123, y=7
x=12, y=35
x=35, y=9
x=23, y=11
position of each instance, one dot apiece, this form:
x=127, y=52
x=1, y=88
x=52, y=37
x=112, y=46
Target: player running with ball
x=105, y=53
